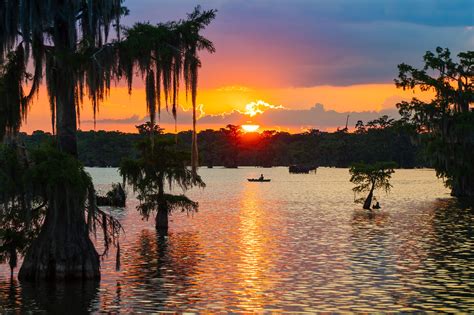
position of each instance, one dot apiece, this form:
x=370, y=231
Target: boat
x=302, y=169
x=258, y=180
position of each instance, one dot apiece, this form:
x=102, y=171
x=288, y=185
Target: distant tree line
x=383, y=139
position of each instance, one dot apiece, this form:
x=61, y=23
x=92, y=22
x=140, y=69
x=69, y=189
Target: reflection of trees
x=371, y=262
x=9, y=296
x=165, y=267
x=450, y=254
x=452, y=227
x=421, y=261
x=60, y=298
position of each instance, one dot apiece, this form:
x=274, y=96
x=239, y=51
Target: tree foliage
x=20, y=218
x=56, y=36
x=31, y=182
x=70, y=50
x=72, y=39
x=160, y=163
x=367, y=175
x=371, y=142
x=447, y=120
x=370, y=177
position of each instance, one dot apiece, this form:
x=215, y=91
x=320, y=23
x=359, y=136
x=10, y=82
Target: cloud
x=259, y=107
x=295, y=119
x=234, y=88
x=273, y=117
x=423, y=12
x=134, y=119
x=318, y=42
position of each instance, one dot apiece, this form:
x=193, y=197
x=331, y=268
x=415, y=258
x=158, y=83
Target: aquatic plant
x=369, y=177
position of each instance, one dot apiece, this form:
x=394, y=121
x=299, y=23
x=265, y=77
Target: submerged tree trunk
x=161, y=220
x=12, y=260
x=463, y=187
x=63, y=249
x=368, y=200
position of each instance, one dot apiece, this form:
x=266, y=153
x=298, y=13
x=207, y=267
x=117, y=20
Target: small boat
x=258, y=180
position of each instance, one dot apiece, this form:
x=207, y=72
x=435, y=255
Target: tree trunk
x=161, y=220
x=63, y=249
x=75, y=297
x=66, y=123
x=463, y=187
x=368, y=200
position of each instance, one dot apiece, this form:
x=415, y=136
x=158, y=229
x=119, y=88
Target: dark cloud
x=317, y=42
x=423, y=12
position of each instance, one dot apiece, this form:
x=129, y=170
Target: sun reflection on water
x=256, y=251
x=297, y=244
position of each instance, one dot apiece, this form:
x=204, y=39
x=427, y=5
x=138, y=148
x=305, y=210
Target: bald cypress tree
x=446, y=123
x=67, y=43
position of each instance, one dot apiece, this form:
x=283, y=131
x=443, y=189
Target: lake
x=298, y=243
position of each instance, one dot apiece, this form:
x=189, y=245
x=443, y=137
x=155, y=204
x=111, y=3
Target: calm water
x=298, y=243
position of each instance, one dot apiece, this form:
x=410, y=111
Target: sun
x=250, y=128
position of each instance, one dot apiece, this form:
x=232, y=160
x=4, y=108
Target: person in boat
x=261, y=177
x=376, y=206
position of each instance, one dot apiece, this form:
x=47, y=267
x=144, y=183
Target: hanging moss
x=447, y=121
x=160, y=163
x=32, y=183
x=68, y=44
x=20, y=212
x=14, y=105
x=165, y=54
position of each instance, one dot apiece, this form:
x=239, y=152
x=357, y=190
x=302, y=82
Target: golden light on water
x=257, y=252
x=250, y=128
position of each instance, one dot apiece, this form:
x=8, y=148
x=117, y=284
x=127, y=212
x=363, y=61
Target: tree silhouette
x=233, y=135
x=160, y=163
x=69, y=46
x=447, y=121
x=369, y=177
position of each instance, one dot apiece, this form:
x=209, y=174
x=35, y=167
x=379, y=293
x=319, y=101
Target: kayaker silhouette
x=261, y=177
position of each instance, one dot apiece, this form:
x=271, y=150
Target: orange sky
x=342, y=54
x=121, y=105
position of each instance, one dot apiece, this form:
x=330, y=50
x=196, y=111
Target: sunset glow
x=339, y=69
x=290, y=156
x=259, y=107
x=250, y=128
x=121, y=111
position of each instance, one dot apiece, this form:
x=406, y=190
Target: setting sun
x=250, y=128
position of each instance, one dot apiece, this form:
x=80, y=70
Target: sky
x=292, y=64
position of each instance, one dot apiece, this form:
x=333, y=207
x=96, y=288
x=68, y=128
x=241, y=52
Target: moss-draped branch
x=164, y=54
x=160, y=163
x=447, y=121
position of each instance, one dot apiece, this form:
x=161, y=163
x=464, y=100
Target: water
x=298, y=243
